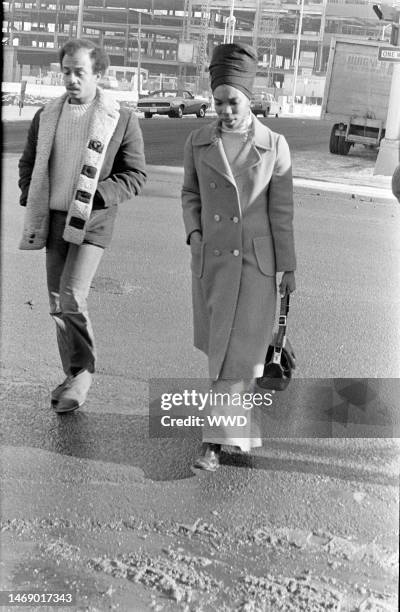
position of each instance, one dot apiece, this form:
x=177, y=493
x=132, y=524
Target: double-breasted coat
x=246, y=222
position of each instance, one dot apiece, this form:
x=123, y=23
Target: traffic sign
x=389, y=54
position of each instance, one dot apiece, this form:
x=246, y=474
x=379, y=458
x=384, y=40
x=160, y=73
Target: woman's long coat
x=246, y=223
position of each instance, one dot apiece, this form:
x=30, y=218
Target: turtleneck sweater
x=68, y=150
x=236, y=145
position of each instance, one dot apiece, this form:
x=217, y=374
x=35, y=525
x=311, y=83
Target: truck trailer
x=356, y=94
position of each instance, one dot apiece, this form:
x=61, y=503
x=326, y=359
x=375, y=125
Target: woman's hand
x=287, y=284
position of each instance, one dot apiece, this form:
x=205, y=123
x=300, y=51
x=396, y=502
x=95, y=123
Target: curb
x=361, y=189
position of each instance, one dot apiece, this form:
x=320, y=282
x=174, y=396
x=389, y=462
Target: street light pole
x=389, y=149
x=139, y=61
x=80, y=19
x=296, y=61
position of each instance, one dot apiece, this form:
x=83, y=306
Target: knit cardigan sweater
x=101, y=127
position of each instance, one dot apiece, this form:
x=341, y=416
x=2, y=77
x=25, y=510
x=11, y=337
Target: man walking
x=83, y=156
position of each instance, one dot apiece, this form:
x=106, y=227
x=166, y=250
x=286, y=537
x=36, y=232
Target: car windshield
x=163, y=94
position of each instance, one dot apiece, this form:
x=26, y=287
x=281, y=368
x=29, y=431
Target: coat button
x=236, y=252
x=217, y=252
x=217, y=217
x=213, y=185
x=235, y=219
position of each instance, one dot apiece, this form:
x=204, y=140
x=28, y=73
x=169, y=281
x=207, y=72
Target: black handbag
x=280, y=359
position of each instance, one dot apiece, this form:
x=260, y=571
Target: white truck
x=356, y=94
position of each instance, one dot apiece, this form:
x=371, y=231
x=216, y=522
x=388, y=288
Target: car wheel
x=334, y=141
x=266, y=112
x=202, y=112
x=179, y=112
x=343, y=146
x=148, y=115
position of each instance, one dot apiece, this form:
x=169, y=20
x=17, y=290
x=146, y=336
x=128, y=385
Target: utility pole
x=389, y=150
x=80, y=19
x=320, y=50
x=186, y=38
x=296, y=61
x=203, y=43
x=139, y=61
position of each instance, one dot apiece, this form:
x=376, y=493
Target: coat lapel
x=248, y=157
x=215, y=158
x=103, y=122
x=260, y=143
x=214, y=155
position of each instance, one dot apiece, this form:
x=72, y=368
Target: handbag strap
x=281, y=335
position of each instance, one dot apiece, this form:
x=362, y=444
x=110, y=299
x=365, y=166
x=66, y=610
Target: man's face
x=231, y=105
x=79, y=78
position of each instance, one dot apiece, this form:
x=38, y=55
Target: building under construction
x=175, y=38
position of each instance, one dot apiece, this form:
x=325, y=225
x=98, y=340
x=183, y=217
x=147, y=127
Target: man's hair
x=100, y=59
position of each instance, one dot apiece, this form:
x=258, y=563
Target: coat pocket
x=197, y=262
x=265, y=255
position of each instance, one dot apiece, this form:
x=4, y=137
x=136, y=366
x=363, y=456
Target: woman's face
x=231, y=105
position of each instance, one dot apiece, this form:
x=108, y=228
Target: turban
x=234, y=64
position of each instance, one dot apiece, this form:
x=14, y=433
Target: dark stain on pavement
x=124, y=439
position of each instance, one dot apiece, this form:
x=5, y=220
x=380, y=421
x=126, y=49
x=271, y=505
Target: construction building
x=173, y=39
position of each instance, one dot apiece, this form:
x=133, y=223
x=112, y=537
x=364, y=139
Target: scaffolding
x=186, y=37
x=203, y=41
x=34, y=29
x=187, y=20
x=230, y=25
x=266, y=28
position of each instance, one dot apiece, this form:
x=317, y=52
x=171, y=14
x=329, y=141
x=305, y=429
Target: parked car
x=265, y=104
x=9, y=98
x=172, y=102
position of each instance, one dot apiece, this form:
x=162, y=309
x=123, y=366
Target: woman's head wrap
x=234, y=64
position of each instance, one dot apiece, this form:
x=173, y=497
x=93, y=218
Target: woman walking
x=237, y=200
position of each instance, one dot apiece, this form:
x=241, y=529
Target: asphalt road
x=302, y=134
x=80, y=490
